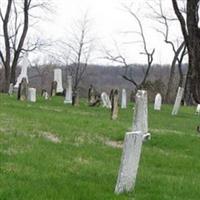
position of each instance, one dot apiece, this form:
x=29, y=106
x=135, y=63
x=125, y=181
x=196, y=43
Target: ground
x=52, y=151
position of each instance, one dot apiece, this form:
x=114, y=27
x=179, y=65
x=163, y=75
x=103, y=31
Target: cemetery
x=84, y=118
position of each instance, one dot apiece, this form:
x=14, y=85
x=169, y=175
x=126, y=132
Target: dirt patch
x=114, y=144
x=51, y=137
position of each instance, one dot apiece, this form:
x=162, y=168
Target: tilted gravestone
x=105, y=100
x=58, y=79
x=114, y=104
x=133, y=146
x=32, y=94
x=123, y=100
x=68, y=94
x=23, y=90
x=177, y=103
x=158, y=102
x=53, y=88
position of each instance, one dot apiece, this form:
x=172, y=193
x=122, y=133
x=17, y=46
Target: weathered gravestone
x=177, y=103
x=133, y=146
x=11, y=89
x=45, y=94
x=53, y=88
x=24, y=68
x=105, y=100
x=114, y=104
x=68, y=94
x=198, y=109
x=23, y=90
x=123, y=100
x=94, y=98
x=32, y=94
x=158, y=102
x=58, y=79
x=75, y=98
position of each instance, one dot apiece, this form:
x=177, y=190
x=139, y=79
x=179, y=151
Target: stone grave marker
x=105, y=100
x=53, y=88
x=23, y=90
x=68, y=94
x=114, y=104
x=124, y=99
x=177, y=103
x=158, y=102
x=58, y=79
x=32, y=94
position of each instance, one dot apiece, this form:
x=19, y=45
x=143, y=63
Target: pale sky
x=109, y=22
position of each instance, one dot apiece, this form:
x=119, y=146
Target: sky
x=112, y=28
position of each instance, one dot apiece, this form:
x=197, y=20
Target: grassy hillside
x=52, y=151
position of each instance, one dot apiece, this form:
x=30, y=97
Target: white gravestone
x=58, y=79
x=68, y=95
x=46, y=95
x=158, y=102
x=198, y=109
x=11, y=88
x=106, y=100
x=133, y=147
x=123, y=102
x=32, y=94
x=177, y=103
x=24, y=68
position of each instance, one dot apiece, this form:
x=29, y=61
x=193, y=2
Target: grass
x=80, y=166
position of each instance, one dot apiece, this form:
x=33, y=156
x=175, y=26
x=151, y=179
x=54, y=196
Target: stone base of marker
x=32, y=95
x=23, y=90
x=129, y=162
x=114, y=102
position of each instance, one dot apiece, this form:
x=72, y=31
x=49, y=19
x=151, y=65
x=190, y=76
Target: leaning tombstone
x=123, y=100
x=11, y=89
x=177, y=103
x=133, y=146
x=68, y=93
x=23, y=90
x=58, y=79
x=114, y=103
x=158, y=102
x=105, y=100
x=32, y=94
x=53, y=88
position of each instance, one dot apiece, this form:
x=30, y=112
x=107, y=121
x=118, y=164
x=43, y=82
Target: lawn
x=52, y=151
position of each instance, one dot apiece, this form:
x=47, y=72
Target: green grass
x=82, y=166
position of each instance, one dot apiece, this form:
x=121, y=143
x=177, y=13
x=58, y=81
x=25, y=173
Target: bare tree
x=78, y=51
x=178, y=52
x=128, y=75
x=191, y=33
x=15, y=20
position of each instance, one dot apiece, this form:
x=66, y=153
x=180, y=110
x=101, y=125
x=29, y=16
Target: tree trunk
x=7, y=79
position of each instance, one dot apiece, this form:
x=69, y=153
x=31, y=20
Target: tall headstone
x=177, y=103
x=53, y=88
x=68, y=94
x=123, y=100
x=24, y=68
x=105, y=100
x=158, y=102
x=58, y=79
x=198, y=109
x=32, y=94
x=114, y=104
x=23, y=90
x=133, y=146
x=11, y=89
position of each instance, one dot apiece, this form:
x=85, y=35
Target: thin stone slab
x=68, y=95
x=177, y=103
x=32, y=94
x=58, y=79
x=158, y=102
x=129, y=162
x=124, y=99
x=114, y=104
x=23, y=90
x=105, y=100
x=24, y=68
x=140, y=121
x=198, y=109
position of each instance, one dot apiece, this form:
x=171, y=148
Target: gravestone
x=91, y=95
x=58, y=79
x=198, y=109
x=32, y=94
x=45, y=94
x=114, y=104
x=53, y=88
x=75, y=98
x=158, y=102
x=106, y=101
x=177, y=103
x=23, y=90
x=68, y=93
x=123, y=100
x=133, y=146
x=24, y=68
x=11, y=89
